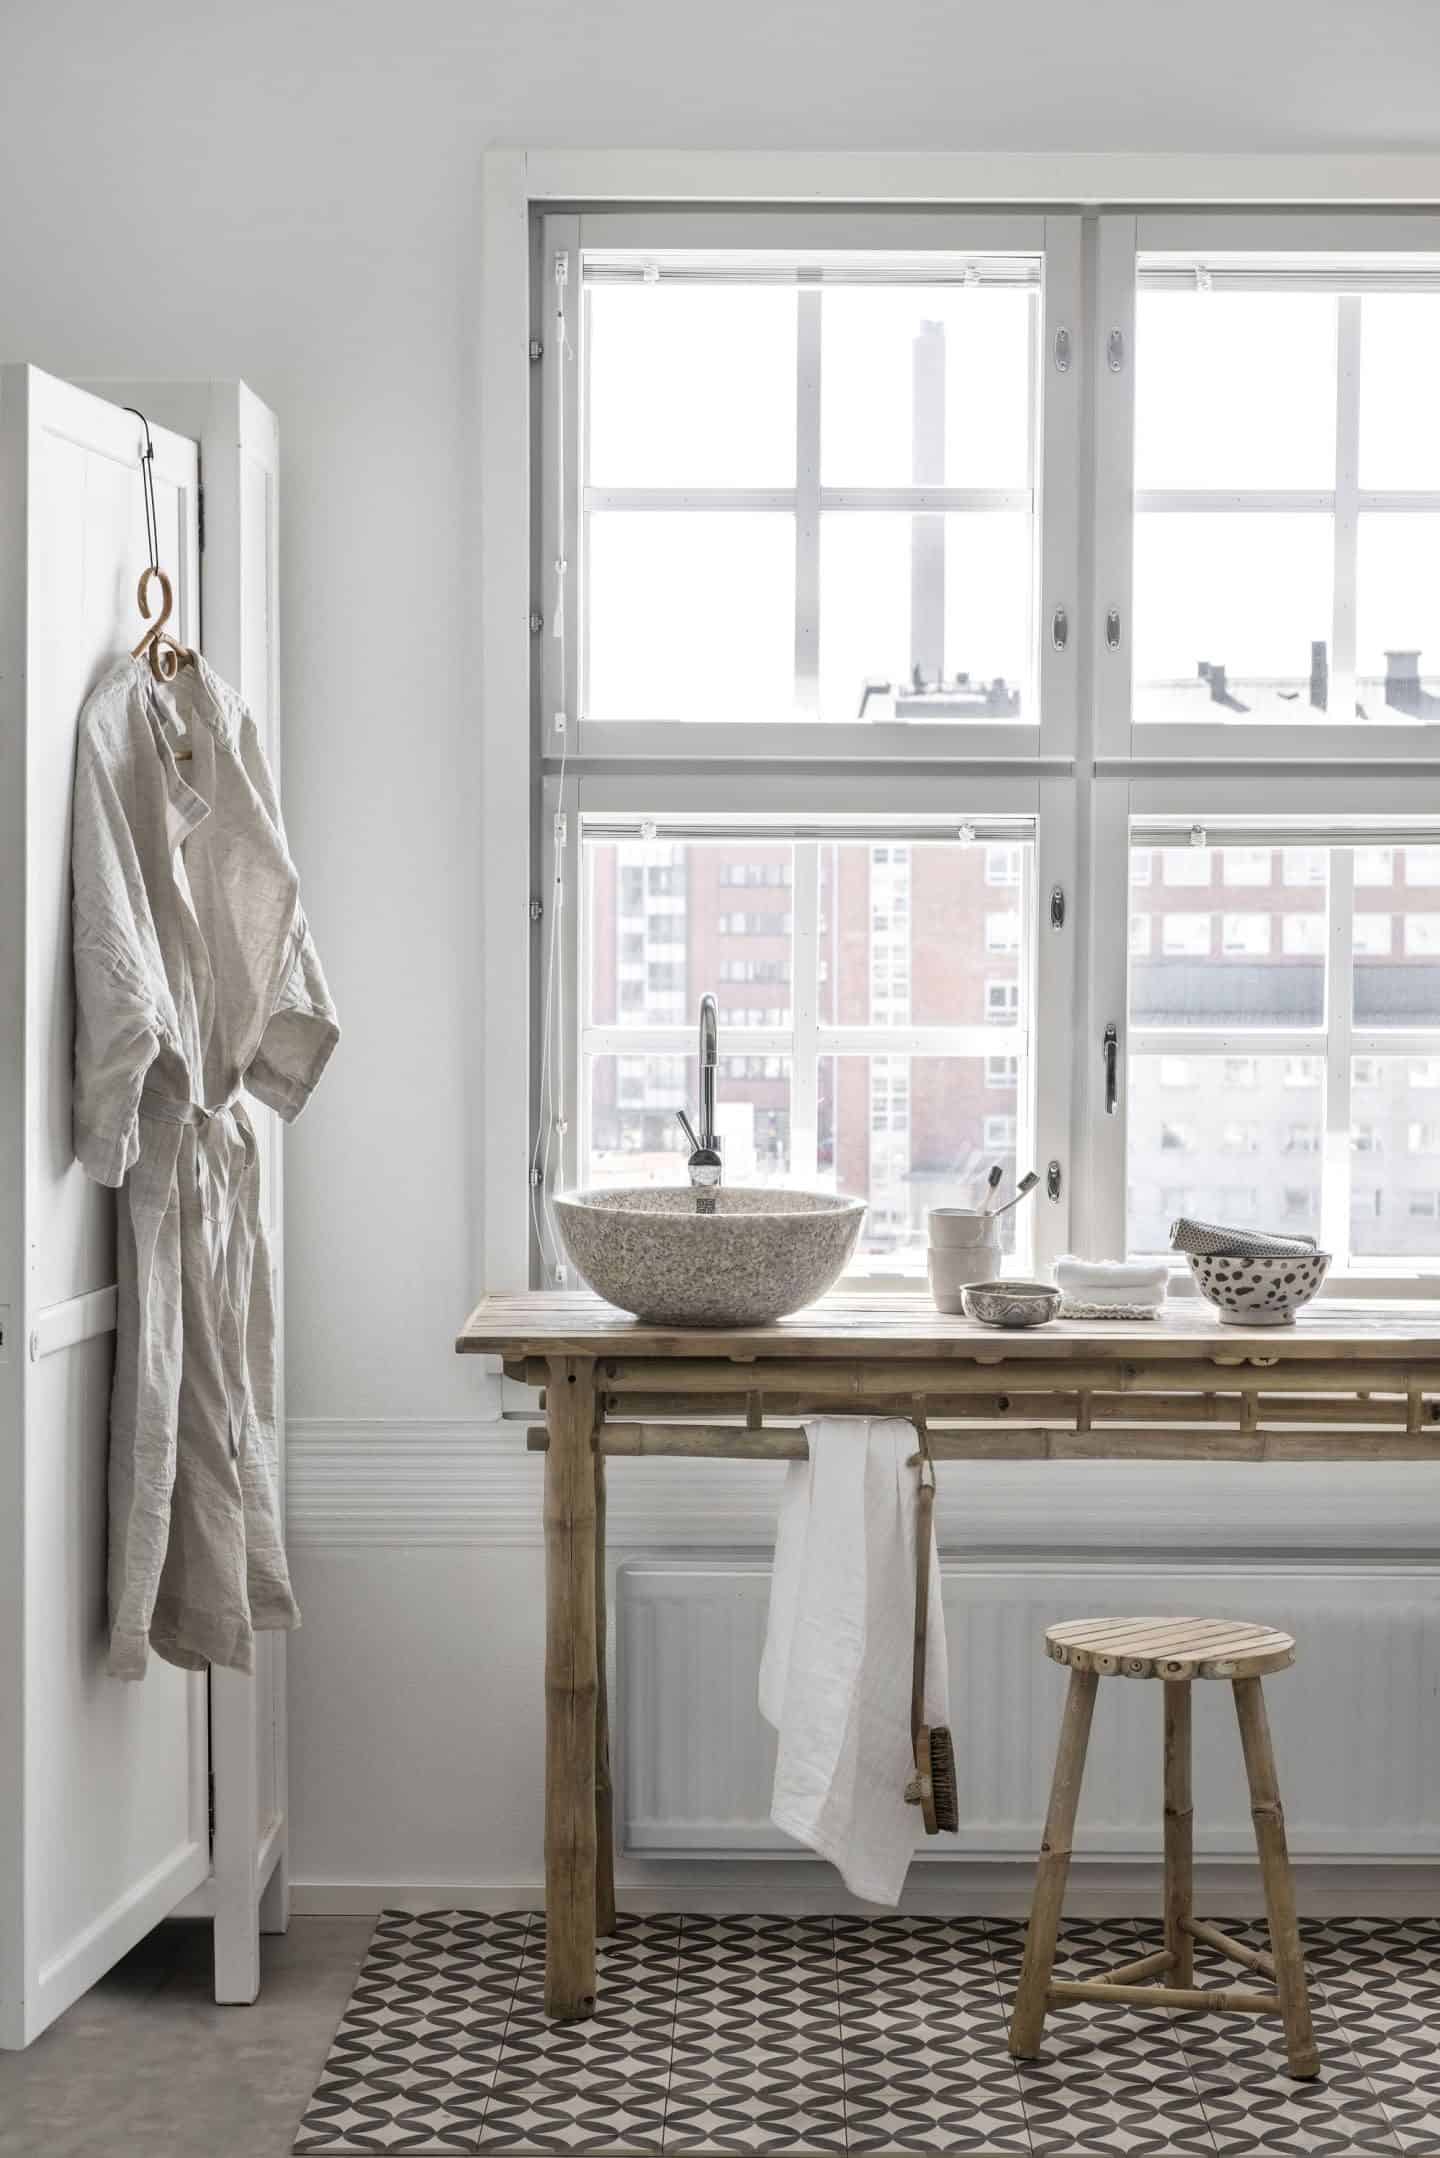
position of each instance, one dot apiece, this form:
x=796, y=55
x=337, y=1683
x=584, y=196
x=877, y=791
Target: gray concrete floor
x=146, y=2063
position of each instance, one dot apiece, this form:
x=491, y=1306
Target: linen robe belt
x=231, y=1242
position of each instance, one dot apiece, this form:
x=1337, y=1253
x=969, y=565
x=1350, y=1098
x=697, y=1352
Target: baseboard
x=1325, y=1888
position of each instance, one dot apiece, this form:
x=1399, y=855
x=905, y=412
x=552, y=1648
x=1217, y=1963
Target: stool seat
x=1169, y=1648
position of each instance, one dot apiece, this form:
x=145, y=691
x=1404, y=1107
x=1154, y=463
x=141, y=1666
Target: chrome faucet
x=705, y=1165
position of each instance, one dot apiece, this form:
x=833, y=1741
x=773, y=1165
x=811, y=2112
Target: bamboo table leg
x=1276, y=1877
x=1179, y=1835
x=571, y=1689
x=1032, y=1993
x=604, y=1799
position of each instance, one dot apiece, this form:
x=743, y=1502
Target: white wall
x=287, y=192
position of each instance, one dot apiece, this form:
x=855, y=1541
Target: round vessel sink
x=729, y=1257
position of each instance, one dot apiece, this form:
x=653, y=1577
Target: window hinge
x=1053, y=1181
x=1062, y=351
x=537, y=349
x=537, y=909
x=537, y=621
x=1115, y=351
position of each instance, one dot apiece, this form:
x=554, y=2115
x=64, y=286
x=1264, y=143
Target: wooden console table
x=1348, y=1382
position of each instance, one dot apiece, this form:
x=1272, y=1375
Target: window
x=1246, y=936
x=1185, y=936
x=808, y=1089
x=1303, y=936
x=1284, y=443
x=1367, y=1087
x=839, y=458
x=805, y=510
x=1246, y=865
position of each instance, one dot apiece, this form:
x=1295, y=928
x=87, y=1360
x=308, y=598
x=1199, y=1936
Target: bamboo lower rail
x=1347, y=1383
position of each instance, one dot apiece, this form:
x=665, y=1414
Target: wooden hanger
x=164, y=654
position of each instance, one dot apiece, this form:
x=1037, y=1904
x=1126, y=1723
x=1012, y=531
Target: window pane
x=905, y=937
x=1399, y=417
x=1397, y=945
x=1395, y=1174
x=691, y=615
x=908, y=1133
x=668, y=920
x=1234, y=390
x=925, y=383
x=690, y=386
x=1232, y=615
x=634, y=1138
x=1214, y=965
x=931, y=614
x=1250, y=1156
x=1397, y=625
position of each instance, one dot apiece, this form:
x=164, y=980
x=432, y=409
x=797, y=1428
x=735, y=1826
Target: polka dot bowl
x=1258, y=1292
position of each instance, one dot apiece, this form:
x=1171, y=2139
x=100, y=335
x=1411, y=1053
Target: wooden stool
x=1176, y=1651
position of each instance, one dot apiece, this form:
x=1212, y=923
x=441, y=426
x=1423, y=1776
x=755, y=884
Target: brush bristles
x=945, y=1791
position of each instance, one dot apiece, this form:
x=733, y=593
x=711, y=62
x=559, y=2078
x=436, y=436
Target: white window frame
x=1336, y=1041
x=1086, y=793
x=1053, y=490
x=1205, y=238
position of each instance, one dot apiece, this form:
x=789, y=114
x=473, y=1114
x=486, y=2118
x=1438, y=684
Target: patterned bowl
x=1011, y=1303
x=1258, y=1292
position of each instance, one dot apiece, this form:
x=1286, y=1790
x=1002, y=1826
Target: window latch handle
x=1111, y=1053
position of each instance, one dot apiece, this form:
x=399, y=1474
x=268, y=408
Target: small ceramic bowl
x=952, y=1272
x=961, y=1228
x=1258, y=1292
x=1012, y=1303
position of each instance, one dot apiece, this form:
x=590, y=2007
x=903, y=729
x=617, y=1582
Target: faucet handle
x=689, y=1130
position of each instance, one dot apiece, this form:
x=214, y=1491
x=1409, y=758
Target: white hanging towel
x=835, y=1676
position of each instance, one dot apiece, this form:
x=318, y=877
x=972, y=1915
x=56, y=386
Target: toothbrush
x=1022, y=1189
x=992, y=1184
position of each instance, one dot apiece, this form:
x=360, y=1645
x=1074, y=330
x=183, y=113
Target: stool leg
x=1276, y=1877
x=1032, y=1993
x=1179, y=1839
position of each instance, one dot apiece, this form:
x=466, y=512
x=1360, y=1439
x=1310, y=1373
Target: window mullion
x=1347, y=505
x=1340, y=1005
x=804, y=1011
x=807, y=501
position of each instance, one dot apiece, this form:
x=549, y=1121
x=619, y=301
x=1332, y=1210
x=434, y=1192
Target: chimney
x=1402, y=681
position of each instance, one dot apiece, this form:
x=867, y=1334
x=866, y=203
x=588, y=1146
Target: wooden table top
x=854, y=1324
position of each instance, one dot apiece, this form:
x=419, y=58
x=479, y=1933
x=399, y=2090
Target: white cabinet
x=119, y=1803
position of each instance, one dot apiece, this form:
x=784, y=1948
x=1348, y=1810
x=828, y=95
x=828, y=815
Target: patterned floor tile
x=781, y=2036
x=923, y=2032
x=414, y=2059
x=757, y=2063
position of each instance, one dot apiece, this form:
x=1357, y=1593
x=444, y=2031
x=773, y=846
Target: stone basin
x=730, y=1257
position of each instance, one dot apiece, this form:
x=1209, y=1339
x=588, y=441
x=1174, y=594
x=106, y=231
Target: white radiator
x=1356, y=1728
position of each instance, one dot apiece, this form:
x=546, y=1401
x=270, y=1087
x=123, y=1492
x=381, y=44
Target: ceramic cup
x=962, y=1228
x=952, y=1272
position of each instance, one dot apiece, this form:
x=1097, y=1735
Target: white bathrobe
x=195, y=976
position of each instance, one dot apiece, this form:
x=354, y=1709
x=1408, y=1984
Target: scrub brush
x=932, y=1787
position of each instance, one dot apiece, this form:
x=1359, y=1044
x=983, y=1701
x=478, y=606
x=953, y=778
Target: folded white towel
x=1133, y=1276
x=835, y=1676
